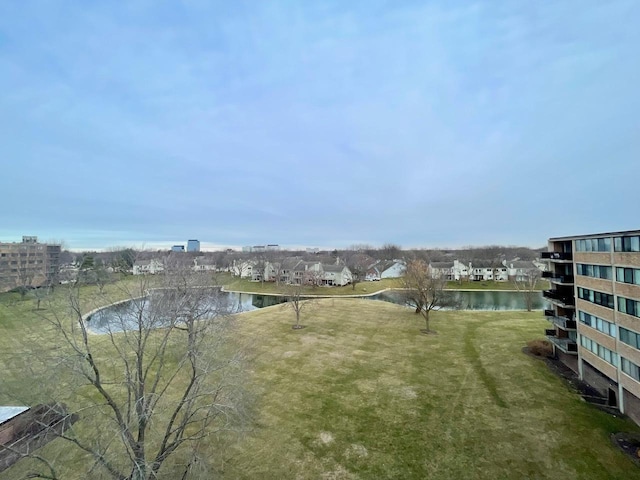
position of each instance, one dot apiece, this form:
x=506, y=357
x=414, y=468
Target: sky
x=312, y=123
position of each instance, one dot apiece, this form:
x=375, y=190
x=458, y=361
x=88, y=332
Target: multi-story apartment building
x=595, y=298
x=28, y=263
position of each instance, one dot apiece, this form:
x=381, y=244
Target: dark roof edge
x=596, y=235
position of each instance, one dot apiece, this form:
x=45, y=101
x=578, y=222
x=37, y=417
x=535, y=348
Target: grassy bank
x=359, y=393
x=362, y=288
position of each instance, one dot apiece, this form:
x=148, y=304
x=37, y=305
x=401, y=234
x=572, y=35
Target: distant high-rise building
x=193, y=246
x=28, y=264
x=177, y=248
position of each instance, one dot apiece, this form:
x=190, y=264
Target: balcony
x=557, y=278
x=564, y=323
x=566, y=301
x=564, y=344
x=557, y=256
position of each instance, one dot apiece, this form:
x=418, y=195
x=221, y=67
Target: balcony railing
x=564, y=279
x=565, y=344
x=562, y=322
x=557, y=255
x=559, y=297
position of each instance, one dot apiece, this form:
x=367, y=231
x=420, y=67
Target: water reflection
x=477, y=300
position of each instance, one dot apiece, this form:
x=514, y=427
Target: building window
x=596, y=271
x=628, y=275
x=630, y=337
x=630, y=368
x=597, y=323
x=593, y=296
x=593, y=245
x=627, y=244
x=628, y=306
x=597, y=349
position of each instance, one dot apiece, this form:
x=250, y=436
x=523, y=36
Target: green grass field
x=360, y=393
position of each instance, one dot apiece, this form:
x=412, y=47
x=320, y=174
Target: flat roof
x=597, y=235
x=7, y=413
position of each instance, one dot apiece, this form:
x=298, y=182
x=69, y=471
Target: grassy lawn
x=360, y=393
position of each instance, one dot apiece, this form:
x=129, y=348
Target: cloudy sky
x=318, y=123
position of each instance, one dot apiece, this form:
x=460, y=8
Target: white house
x=151, y=266
x=519, y=270
x=386, y=269
x=242, y=268
x=442, y=270
x=204, y=264
x=481, y=270
x=461, y=271
x=336, y=275
x=396, y=269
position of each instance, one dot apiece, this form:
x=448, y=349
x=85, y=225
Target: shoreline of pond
x=377, y=292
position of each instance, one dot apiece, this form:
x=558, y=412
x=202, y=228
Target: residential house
x=148, y=266
x=519, y=270
x=336, y=275
x=204, y=264
x=442, y=270
x=243, y=268
x=386, y=269
x=482, y=270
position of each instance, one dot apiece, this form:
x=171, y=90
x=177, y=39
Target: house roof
x=441, y=264
x=521, y=264
x=485, y=264
x=333, y=268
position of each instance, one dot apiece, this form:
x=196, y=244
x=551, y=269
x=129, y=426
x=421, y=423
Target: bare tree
x=390, y=251
x=527, y=284
x=165, y=377
x=426, y=292
x=40, y=294
x=358, y=263
x=297, y=303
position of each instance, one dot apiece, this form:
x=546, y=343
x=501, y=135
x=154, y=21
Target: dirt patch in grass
x=326, y=438
x=356, y=450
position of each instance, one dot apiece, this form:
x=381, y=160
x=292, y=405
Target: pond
x=122, y=316
x=478, y=300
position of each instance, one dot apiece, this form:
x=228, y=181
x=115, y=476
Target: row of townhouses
x=515, y=270
x=295, y=270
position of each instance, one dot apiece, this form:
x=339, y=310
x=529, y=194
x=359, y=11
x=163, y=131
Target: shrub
x=541, y=348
